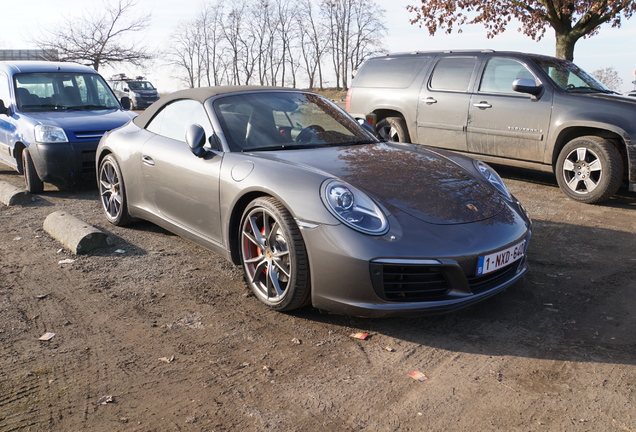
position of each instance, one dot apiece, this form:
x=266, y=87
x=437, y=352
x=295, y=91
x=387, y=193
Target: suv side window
x=173, y=120
x=500, y=73
x=390, y=73
x=453, y=73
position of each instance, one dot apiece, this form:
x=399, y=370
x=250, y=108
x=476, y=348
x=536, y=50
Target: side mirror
x=365, y=125
x=3, y=109
x=195, y=137
x=525, y=85
x=125, y=102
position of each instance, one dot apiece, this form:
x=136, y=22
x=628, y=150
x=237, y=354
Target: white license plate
x=494, y=261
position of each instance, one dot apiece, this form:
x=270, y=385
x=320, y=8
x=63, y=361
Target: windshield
x=140, y=85
x=569, y=77
x=53, y=91
x=285, y=120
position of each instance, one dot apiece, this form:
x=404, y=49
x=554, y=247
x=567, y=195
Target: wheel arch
x=234, y=222
x=18, y=148
x=382, y=113
x=101, y=157
x=567, y=135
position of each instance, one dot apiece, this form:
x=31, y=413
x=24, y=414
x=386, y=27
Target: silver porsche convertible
x=313, y=207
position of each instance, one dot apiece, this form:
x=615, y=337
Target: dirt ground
x=157, y=334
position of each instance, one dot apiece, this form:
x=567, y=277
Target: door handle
x=429, y=101
x=483, y=105
x=148, y=160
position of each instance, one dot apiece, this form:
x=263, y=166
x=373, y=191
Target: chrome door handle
x=429, y=101
x=482, y=104
x=148, y=160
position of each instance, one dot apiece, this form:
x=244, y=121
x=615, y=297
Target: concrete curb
x=12, y=195
x=76, y=235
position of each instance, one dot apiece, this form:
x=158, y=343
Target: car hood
x=626, y=101
x=78, y=121
x=411, y=178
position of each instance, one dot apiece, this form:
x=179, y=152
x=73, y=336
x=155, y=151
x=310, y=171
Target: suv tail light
x=348, y=99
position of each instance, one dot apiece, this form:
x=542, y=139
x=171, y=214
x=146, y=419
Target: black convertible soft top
x=200, y=94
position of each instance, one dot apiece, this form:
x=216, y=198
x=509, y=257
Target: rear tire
x=112, y=192
x=393, y=129
x=589, y=169
x=32, y=181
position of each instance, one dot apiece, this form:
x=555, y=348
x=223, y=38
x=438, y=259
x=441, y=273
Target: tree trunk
x=565, y=45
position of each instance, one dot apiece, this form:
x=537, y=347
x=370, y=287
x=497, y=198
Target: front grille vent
x=432, y=282
x=409, y=282
x=90, y=135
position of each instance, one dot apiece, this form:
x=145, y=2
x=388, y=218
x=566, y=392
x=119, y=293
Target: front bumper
x=64, y=163
x=354, y=274
x=144, y=102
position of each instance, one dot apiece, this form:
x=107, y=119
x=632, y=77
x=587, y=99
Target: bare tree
x=287, y=34
x=609, y=77
x=355, y=30
x=571, y=20
x=99, y=38
x=185, y=52
x=263, y=30
x=313, y=41
x=210, y=22
x=267, y=41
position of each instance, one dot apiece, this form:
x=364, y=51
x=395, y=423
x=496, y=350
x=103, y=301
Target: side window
x=4, y=90
x=500, y=73
x=453, y=73
x=173, y=120
x=390, y=72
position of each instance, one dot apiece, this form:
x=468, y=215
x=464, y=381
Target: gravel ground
x=157, y=334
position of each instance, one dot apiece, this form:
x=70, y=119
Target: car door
x=443, y=104
x=183, y=188
x=506, y=123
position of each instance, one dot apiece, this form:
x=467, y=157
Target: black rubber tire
x=32, y=181
x=393, y=129
x=265, y=258
x=589, y=169
x=112, y=192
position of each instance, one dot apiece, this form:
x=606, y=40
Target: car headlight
x=353, y=207
x=492, y=176
x=50, y=134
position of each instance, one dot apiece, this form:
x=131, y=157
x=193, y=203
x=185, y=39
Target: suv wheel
x=32, y=181
x=393, y=129
x=589, y=169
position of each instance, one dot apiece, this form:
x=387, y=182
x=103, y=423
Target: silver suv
x=511, y=108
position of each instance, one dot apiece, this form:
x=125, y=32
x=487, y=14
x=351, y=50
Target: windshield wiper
x=309, y=145
x=586, y=88
x=85, y=107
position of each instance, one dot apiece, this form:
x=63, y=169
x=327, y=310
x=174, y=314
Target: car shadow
x=623, y=199
x=575, y=304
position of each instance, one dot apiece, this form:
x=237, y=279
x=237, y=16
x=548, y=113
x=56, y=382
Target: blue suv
x=52, y=116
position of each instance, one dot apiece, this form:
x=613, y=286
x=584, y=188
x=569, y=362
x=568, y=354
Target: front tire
x=112, y=192
x=393, y=129
x=589, y=169
x=273, y=255
x=32, y=181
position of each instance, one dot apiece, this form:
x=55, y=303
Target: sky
x=610, y=48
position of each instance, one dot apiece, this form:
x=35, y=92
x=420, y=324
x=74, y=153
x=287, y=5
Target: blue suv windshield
x=59, y=91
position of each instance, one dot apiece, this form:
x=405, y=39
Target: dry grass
x=332, y=93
